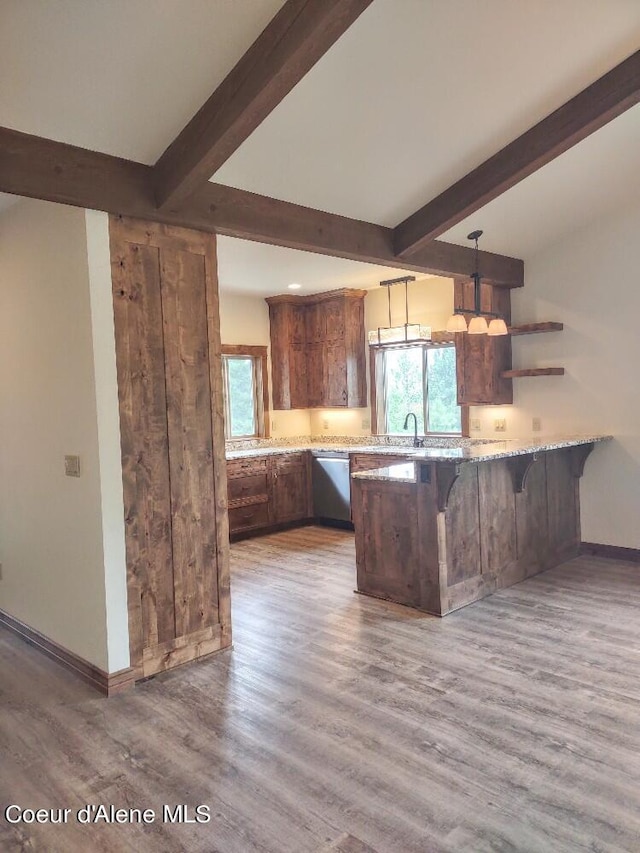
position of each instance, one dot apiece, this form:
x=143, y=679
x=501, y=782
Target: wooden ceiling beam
x=41, y=168
x=599, y=103
x=291, y=44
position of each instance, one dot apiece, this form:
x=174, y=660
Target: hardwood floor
x=510, y=725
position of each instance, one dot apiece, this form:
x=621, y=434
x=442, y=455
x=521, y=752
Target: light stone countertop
x=357, y=446
x=406, y=472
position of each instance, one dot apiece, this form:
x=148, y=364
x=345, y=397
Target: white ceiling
x=262, y=270
x=7, y=200
x=119, y=76
x=413, y=96
x=419, y=92
x=598, y=177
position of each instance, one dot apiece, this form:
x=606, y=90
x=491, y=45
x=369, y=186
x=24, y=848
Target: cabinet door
x=298, y=379
x=316, y=325
x=334, y=376
x=334, y=311
x=315, y=357
x=297, y=324
x=290, y=488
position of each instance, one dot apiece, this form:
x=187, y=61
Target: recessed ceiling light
x=294, y=286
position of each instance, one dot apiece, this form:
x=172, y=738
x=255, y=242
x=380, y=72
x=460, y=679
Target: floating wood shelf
x=535, y=328
x=533, y=371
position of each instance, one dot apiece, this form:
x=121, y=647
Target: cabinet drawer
x=369, y=461
x=291, y=460
x=244, y=517
x=242, y=467
x=248, y=485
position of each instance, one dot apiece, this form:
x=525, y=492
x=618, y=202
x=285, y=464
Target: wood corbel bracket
x=579, y=455
x=446, y=475
x=520, y=467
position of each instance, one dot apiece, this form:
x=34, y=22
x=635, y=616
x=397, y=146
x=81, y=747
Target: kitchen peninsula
x=454, y=525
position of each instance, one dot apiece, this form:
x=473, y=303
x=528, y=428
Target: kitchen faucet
x=417, y=442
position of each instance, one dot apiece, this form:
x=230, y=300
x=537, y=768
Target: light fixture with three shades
x=478, y=324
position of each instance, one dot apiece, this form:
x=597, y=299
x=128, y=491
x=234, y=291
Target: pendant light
x=405, y=334
x=478, y=323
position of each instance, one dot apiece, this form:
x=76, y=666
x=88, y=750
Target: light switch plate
x=500, y=424
x=476, y=424
x=72, y=466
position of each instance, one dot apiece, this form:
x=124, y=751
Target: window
x=419, y=379
x=246, y=395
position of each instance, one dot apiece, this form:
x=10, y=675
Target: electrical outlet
x=72, y=466
x=536, y=424
x=476, y=424
x=500, y=424
x=325, y=423
x=273, y=425
x=366, y=422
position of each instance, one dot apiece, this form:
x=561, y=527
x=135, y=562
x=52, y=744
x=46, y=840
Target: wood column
x=167, y=329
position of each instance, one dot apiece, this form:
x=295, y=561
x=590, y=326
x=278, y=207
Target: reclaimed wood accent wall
x=167, y=331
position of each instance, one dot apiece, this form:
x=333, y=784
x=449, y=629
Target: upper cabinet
x=482, y=361
x=318, y=355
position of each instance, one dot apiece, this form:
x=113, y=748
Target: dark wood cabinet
x=248, y=490
x=318, y=351
x=481, y=360
x=268, y=491
x=290, y=488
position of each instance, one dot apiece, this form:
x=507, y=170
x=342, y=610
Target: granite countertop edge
x=405, y=472
x=333, y=447
x=481, y=450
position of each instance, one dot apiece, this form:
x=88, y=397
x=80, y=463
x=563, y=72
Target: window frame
x=377, y=390
x=261, y=384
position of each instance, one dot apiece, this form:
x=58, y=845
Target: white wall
x=589, y=281
x=52, y=542
x=109, y=449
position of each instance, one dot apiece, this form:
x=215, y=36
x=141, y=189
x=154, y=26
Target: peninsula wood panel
x=388, y=547
x=562, y=501
x=532, y=524
x=496, y=501
x=463, y=550
x=174, y=478
x=480, y=527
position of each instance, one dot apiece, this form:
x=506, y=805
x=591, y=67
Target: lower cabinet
x=268, y=491
x=290, y=488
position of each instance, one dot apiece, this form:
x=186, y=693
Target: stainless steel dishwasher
x=332, y=488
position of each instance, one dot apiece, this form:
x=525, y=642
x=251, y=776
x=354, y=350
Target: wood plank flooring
x=510, y=725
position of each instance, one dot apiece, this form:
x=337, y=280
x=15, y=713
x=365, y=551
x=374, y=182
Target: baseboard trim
x=611, y=552
x=107, y=683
